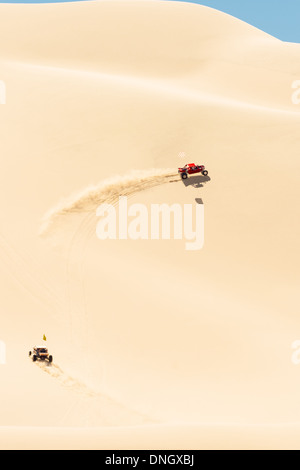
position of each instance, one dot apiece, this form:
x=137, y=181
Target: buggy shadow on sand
x=196, y=181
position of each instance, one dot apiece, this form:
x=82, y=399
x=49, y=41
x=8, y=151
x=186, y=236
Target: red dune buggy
x=192, y=169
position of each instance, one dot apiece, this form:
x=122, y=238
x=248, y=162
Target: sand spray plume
x=107, y=191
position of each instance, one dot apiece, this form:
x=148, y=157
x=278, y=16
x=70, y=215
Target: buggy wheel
x=34, y=358
x=184, y=176
x=50, y=359
x=29, y=354
x=204, y=172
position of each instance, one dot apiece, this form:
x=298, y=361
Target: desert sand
x=154, y=346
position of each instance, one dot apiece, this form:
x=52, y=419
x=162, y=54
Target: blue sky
x=280, y=18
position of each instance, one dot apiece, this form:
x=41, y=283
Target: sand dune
x=106, y=99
